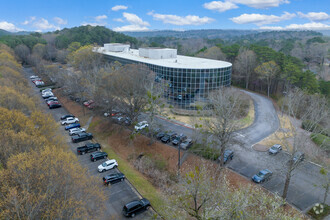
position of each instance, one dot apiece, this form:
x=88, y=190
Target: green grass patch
x=321, y=140
x=93, y=124
x=205, y=151
x=144, y=187
x=249, y=118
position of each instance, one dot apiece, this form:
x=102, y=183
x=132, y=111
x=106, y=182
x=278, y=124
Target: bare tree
x=300, y=106
x=226, y=106
x=22, y=52
x=212, y=53
x=245, y=64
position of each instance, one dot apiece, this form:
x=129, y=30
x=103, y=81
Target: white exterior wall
x=117, y=47
x=153, y=53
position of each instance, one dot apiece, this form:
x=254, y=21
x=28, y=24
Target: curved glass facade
x=183, y=87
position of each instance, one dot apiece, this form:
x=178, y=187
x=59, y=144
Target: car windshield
x=104, y=164
x=260, y=174
x=274, y=148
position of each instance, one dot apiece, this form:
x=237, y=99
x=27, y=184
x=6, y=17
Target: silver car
x=276, y=148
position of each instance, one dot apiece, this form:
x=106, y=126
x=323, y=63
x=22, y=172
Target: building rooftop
x=184, y=62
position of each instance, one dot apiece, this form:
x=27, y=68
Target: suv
x=107, y=165
x=89, y=147
x=98, y=156
x=67, y=116
x=70, y=126
x=54, y=105
x=75, y=131
x=136, y=206
x=168, y=137
x=298, y=156
x=81, y=137
x=160, y=134
x=113, y=178
x=186, y=144
x=141, y=125
x=178, y=139
x=227, y=155
x=262, y=176
x=276, y=148
x=70, y=121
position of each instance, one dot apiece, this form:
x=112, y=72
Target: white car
x=46, y=90
x=69, y=121
x=47, y=94
x=141, y=125
x=107, y=165
x=33, y=77
x=74, y=131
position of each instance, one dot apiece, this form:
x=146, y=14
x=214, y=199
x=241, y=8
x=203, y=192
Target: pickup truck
x=89, y=147
x=81, y=137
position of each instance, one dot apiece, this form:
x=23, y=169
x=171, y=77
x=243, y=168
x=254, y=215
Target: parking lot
x=118, y=194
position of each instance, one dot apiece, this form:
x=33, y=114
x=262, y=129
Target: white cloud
x=131, y=27
x=220, y=6
x=261, y=19
x=261, y=3
x=100, y=18
x=26, y=22
x=9, y=26
x=119, y=7
x=179, y=20
x=315, y=16
x=306, y=26
x=60, y=21
x=43, y=24
x=118, y=19
x=135, y=23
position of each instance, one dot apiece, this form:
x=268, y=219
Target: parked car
x=141, y=125
x=81, y=137
x=262, y=176
x=168, y=137
x=136, y=206
x=75, y=125
x=69, y=121
x=107, y=165
x=54, y=105
x=47, y=95
x=53, y=102
x=186, y=144
x=98, y=156
x=228, y=155
x=160, y=134
x=74, y=131
x=52, y=98
x=45, y=90
x=122, y=120
x=33, y=77
x=67, y=116
x=276, y=148
x=113, y=178
x=87, y=103
x=89, y=147
x=298, y=156
x=39, y=83
x=178, y=139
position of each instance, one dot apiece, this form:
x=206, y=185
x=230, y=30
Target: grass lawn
x=321, y=140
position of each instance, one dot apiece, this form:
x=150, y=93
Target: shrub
x=207, y=152
x=309, y=125
x=321, y=140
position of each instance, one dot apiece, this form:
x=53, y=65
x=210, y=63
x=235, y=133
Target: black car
x=55, y=105
x=178, y=139
x=160, y=135
x=113, y=178
x=168, y=137
x=136, y=206
x=67, y=116
x=89, y=147
x=228, y=155
x=81, y=137
x=98, y=156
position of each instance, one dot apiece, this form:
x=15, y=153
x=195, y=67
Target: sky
x=147, y=15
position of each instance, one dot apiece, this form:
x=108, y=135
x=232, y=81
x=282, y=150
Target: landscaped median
x=140, y=183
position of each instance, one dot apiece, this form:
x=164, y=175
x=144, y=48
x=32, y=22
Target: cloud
x=220, y=6
x=100, y=18
x=306, y=26
x=261, y=19
x=43, y=24
x=9, y=26
x=179, y=20
x=315, y=16
x=135, y=23
x=26, y=22
x=261, y=3
x=60, y=21
x=118, y=19
x=119, y=7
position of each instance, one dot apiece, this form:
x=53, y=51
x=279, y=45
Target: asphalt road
x=118, y=194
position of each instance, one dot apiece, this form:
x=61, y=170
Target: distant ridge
x=4, y=32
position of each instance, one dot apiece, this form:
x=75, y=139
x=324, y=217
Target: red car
x=88, y=103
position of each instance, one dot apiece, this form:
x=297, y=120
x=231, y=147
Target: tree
x=226, y=106
x=22, y=52
x=245, y=64
x=212, y=53
x=299, y=105
x=74, y=46
x=268, y=71
x=39, y=50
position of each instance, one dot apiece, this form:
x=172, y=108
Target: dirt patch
x=260, y=147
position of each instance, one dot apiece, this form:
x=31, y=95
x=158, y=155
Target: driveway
x=118, y=194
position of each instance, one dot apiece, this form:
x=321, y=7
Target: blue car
x=75, y=125
x=262, y=176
